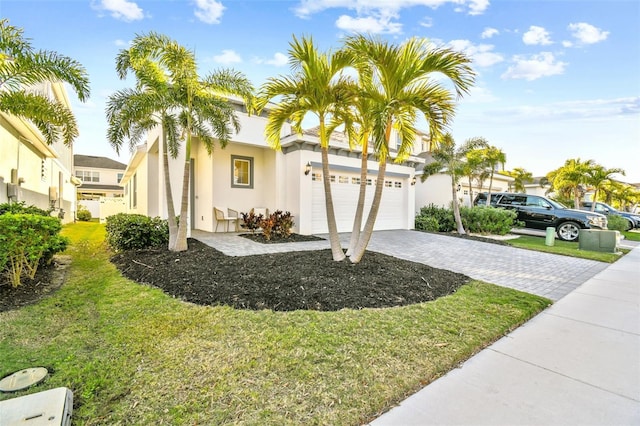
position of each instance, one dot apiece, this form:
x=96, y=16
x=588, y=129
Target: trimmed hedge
x=480, y=220
x=135, y=231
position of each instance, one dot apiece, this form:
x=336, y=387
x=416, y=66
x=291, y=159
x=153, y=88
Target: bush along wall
x=27, y=241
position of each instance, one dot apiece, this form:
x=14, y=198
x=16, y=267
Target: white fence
x=105, y=207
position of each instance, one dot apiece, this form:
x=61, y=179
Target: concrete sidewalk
x=577, y=363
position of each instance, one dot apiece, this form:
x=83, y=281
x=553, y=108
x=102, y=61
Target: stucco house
x=436, y=189
x=32, y=170
x=100, y=176
x=249, y=174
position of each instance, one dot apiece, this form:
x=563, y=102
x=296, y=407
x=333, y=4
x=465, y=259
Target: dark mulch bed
x=47, y=281
x=293, y=238
x=287, y=281
x=282, y=282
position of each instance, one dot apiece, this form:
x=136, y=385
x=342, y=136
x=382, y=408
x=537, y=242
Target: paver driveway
x=549, y=275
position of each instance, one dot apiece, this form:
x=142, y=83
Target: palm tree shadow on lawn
x=299, y=280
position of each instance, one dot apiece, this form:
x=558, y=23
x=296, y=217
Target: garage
x=345, y=186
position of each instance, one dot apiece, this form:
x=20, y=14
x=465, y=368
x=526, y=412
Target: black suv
x=633, y=220
x=540, y=212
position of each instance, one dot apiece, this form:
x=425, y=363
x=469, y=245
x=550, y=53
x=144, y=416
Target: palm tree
x=397, y=80
x=169, y=92
x=319, y=87
x=22, y=68
x=520, y=177
x=597, y=176
x=569, y=179
x=492, y=158
x=452, y=161
x=474, y=170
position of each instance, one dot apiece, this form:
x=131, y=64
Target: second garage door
x=345, y=187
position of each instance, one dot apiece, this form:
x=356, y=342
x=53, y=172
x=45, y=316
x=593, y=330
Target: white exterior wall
x=23, y=148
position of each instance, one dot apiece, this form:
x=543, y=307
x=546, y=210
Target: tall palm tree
x=22, y=68
x=318, y=87
x=520, y=178
x=492, y=158
x=569, y=179
x=170, y=92
x=400, y=86
x=452, y=161
x=597, y=176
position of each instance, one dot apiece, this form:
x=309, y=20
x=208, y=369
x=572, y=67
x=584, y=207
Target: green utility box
x=599, y=240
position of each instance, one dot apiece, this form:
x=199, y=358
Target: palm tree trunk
x=181, y=238
x=357, y=221
x=470, y=192
x=171, y=211
x=334, y=238
x=456, y=207
x=490, y=185
x=367, y=232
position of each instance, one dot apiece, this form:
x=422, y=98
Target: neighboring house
x=100, y=191
x=249, y=174
x=33, y=171
x=539, y=186
x=100, y=176
x=436, y=189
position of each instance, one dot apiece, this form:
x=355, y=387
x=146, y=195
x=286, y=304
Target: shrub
x=83, y=214
x=21, y=208
x=277, y=224
x=27, y=241
x=283, y=222
x=135, y=231
x=488, y=220
x=481, y=220
x=617, y=223
x=251, y=221
x=438, y=215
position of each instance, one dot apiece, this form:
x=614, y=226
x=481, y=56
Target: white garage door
x=345, y=187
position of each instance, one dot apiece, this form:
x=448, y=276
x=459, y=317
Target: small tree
x=452, y=161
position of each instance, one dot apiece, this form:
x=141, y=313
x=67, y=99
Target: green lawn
x=564, y=248
x=133, y=355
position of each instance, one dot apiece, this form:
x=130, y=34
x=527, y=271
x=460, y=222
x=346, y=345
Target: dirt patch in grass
x=287, y=281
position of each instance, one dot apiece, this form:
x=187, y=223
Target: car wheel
x=569, y=231
x=629, y=225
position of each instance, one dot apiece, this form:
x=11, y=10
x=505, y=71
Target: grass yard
x=133, y=355
x=566, y=248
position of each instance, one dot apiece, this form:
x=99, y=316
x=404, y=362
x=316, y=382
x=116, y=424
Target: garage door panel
x=391, y=214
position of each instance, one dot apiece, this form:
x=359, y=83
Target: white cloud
x=208, y=11
x=534, y=67
x=481, y=54
x=489, y=32
x=567, y=43
x=536, y=35
x=365, y=8
x=121, y=9
x=369, y=24
x=227, y=57
x=426, y=22
x=121, y=43
x=278, y=60
x=587, y=34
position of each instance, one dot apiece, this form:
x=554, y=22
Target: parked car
x=539, y=212
x=606, y=209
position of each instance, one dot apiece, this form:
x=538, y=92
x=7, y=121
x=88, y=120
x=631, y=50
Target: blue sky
x=556, y=79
